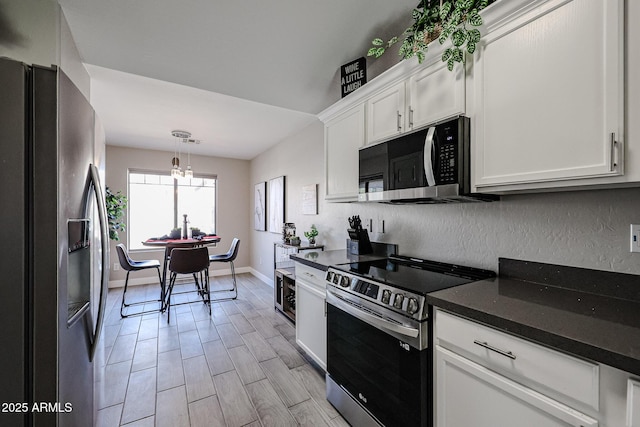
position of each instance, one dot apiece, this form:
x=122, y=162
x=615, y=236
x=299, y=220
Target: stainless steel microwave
x=431, y=165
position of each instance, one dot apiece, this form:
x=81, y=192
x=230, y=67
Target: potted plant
x=311, y=235
x=439, y=20
x=195, y=232
x=116, y=204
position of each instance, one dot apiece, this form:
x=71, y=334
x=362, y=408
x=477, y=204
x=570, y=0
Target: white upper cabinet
x=385, y=117
x=553, y=93
x=548, y=95
x=431, y=94
x=344, y=135
x=434, y=94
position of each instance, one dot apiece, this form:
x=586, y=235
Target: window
x=157, y=203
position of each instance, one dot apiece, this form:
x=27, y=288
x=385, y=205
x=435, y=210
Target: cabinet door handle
x=484, y=344
x=399, y=120
x=410, y=118
x=612, y=162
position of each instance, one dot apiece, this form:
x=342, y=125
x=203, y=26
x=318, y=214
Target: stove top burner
x=414, y=274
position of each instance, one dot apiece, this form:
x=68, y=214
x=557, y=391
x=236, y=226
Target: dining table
x=170, y=244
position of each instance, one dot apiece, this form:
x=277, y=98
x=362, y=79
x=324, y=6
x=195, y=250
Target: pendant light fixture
x=182, y=136
x=188, y=172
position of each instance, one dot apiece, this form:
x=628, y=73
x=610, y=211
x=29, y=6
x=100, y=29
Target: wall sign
x=353, y=75
x=310, y=199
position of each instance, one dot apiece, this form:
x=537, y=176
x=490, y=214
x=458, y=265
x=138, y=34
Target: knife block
x=358, y=242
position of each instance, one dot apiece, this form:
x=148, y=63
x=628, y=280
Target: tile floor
x=238, y=367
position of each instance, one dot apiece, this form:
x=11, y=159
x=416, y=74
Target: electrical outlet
x=635, y=238
x=116, y=266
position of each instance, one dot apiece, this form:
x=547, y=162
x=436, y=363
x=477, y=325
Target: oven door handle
x=349, y=308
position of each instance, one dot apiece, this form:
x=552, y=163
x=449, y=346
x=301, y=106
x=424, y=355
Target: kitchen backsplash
x=580, y=228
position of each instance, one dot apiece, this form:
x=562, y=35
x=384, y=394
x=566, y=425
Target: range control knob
x=344, y=281
x=336, y=278
x=329, y=276
x=397, y=303
x=386, y=296
x=412, y=306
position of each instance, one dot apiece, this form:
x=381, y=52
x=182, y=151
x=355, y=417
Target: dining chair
x=229, y=257
x=129, y=265
x=191, y=261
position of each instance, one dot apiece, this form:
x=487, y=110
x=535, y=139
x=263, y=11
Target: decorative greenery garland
x=441, y=20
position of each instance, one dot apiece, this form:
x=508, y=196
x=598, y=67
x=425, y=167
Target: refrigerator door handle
x=104, y=242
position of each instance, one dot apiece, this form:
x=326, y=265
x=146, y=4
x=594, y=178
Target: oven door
x=385, y=375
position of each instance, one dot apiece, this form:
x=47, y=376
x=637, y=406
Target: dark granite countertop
x=323, y=260
x=588, y=313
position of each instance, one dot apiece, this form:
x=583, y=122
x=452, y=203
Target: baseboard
x=149, y=280
x=265, y=279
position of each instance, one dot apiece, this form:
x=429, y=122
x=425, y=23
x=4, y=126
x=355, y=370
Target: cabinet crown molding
x=390, y=77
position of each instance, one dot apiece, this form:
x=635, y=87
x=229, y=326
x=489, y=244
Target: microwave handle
x=428, y=158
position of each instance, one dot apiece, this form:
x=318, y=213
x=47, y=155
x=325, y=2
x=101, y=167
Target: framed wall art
x=260, y=202
x=310, y=199
x=275, y=210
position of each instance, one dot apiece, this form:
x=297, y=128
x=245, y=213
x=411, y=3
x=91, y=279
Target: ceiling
x=240, y=76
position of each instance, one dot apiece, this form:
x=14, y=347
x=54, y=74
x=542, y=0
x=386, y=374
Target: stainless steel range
x=378, y=358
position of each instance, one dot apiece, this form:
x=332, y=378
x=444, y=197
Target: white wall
x=30, y=31
x=233, y=202
x=299, y=158
x=36, y=32
x=70, y=60
x=587, y=229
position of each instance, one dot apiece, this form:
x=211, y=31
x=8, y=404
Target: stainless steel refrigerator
x=54, y=258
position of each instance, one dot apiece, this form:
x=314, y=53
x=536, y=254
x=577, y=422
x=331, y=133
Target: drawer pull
x=508, y=354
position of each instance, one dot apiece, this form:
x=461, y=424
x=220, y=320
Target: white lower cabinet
x=486, y=378
x=633, y=404
x=468, y=394
x=311, y=315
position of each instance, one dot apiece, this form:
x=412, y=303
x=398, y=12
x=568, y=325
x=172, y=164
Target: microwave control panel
x=446, y=170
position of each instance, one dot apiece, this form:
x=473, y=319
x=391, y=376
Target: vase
x=312, y=241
